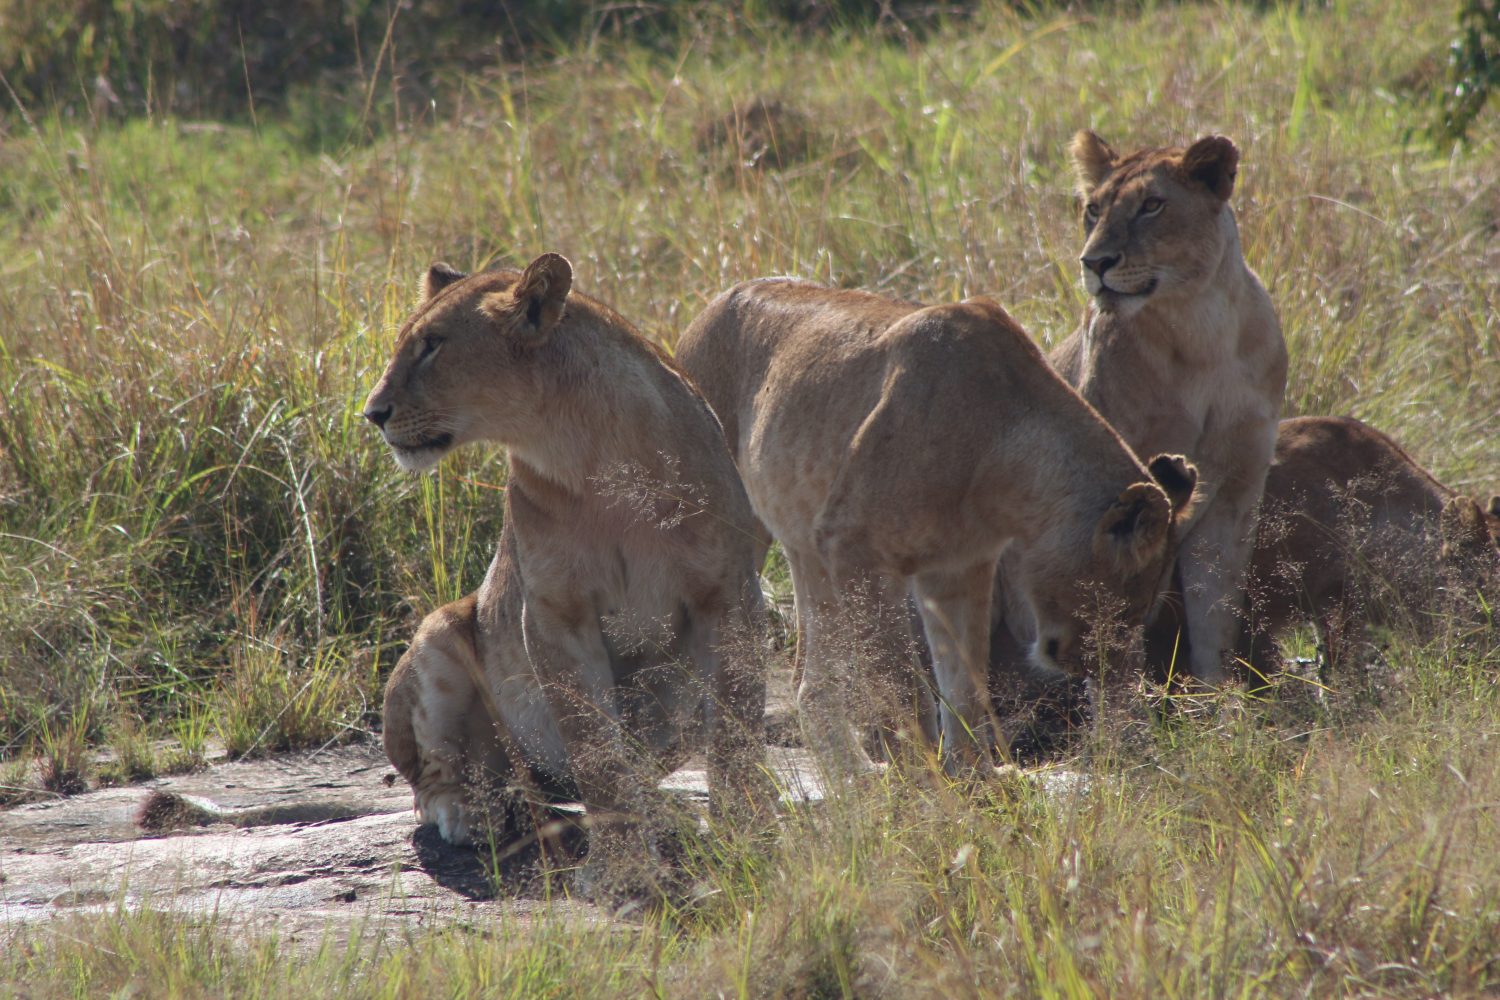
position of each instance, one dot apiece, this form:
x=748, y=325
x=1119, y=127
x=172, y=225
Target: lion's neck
x=1072, y=470
x=601, y=410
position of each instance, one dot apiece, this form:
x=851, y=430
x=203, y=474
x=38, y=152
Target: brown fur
x=893, y=447
x=1181, y=351
x=620, y=615
x=1353, y=530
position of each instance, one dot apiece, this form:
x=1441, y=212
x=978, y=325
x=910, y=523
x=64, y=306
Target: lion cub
x=620, y=616
x=1353, y=530
x=1181, y=351
x=891, y=448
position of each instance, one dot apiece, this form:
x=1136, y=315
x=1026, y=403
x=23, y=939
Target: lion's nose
x=1101, y=263
x=378, y=415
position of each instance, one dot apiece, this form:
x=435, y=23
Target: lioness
x=1181, y=351
x=1353, y=530
x=621, y=610
x=893, y=447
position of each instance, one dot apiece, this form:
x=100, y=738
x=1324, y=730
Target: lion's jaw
x=422, y=457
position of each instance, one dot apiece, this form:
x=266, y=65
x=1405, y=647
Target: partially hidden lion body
x=618, y=620
x=1181, y=351
x=1352, y=530
x=894, y=448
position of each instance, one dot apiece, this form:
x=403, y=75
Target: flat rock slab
x=370, y=870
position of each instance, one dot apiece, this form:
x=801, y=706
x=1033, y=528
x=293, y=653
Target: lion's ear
x=1093, y=160
x=1213, y=162
x=1133, y=531
x=1494, y=507
x=1461, y=525
x=534, y=306
x=1179, y=477
x=438, y=277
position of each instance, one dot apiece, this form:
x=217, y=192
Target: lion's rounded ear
x=1494, y=507
x=438, y=277
x=1213, y=161
x=533, y=307
x=1133, y=531
x=1093, y=160
x=1179, y=477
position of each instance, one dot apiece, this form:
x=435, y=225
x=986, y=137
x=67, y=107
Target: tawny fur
x=620, y=617
x=1180, y=349
x=1353, y=530
x=891, y=447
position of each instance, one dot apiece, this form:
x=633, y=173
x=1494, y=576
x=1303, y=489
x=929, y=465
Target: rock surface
x=370, y=870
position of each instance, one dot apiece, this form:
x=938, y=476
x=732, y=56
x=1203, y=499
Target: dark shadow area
x=1056, y=713
x=513, y=869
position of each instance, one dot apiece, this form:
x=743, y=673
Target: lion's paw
x=447, y=811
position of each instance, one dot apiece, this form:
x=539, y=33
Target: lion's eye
x=1152, y=205
x=430, y=345
x=1091, y=211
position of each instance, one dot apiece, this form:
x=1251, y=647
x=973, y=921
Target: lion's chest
x=635, y=576
x=1196, y=392
x=640, y=603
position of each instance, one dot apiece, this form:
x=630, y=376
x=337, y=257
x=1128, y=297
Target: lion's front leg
x=955, y=608
x=1213, y=562
x=1214, y=558
x=573, y=667
x=860, y=670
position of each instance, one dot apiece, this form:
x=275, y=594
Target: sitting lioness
x=891, y=447
x=620, y=615
x=1353, y=530
x=1180, y=350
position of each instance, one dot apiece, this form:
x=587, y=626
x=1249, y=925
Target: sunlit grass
x=1227, y=856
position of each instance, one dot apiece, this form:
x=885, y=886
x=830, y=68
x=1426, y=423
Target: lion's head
x=464, y=365
x=1471, y=534
x=1084, y=609
x=1156, y=222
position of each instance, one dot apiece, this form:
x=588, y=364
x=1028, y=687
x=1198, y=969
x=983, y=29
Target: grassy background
x=201, y=541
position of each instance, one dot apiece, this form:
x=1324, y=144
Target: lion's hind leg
x=439, y=733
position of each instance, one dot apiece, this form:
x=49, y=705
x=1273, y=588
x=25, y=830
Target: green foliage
x=315, y=61
x=206, y=58
x=1473, y=70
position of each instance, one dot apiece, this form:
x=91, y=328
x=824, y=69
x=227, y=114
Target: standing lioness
x=1181, y=351
x=620, y=612
x=891, y=447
